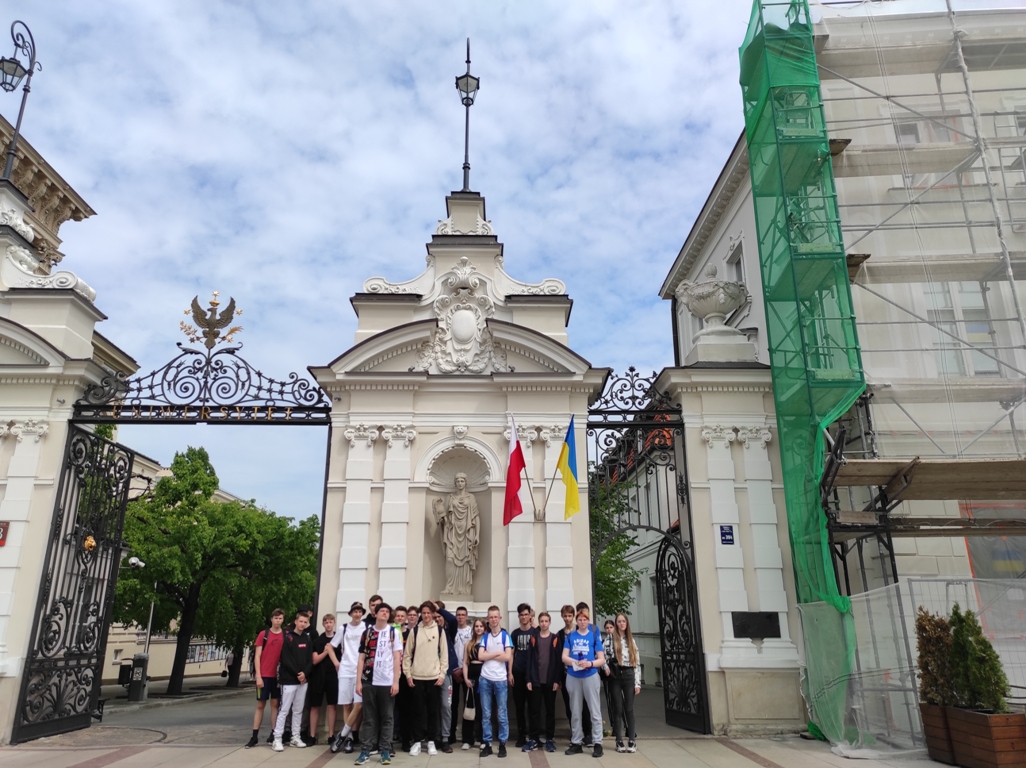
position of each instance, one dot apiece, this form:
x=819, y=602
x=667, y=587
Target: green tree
x=977, y=677
x=215, y=568
x=614, y=577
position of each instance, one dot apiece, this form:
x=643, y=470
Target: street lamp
x=11, y=73
x=467, y=85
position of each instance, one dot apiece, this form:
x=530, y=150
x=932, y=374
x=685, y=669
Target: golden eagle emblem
x=209, y=322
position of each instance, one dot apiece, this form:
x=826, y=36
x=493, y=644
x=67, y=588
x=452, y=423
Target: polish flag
x=514, y=476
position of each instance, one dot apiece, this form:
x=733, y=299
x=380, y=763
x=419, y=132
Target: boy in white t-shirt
x=496, y=675
x=381, y=656
x=345, y=650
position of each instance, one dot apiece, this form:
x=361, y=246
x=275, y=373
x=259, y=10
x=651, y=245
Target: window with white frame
x=959, y=311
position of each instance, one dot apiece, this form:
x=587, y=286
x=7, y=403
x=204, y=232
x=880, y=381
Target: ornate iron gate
x=61, y=683
x=637, y=487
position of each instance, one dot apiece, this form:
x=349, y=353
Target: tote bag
x=470, y=710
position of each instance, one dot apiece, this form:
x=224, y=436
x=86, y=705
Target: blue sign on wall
x=726, y=534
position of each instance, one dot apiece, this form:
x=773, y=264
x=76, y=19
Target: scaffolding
x=923, y=147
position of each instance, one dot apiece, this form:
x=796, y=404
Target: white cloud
x=282, y=153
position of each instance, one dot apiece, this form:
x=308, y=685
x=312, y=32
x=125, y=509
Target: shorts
x=347, y=691
x=323, y=689
x=270, y=690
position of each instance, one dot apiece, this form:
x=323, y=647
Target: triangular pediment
x=22, y=348
x=406, y=348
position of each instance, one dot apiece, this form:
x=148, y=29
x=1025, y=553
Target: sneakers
x=415, y=749
x=632, y=746
x=465, y=746
x=597, y=751
x=550, y=746
x=502, y=749
x=363, y=758
x=619, y=746
x=520, y=742
x=529, y=745
x=486, y=750
x=347, y=744
x=253, y=741
x=336, y=743
x=297, y=741
x=277, y=746
x=310, y=741
x=386, y=757
x=431, y=749
x=574, y=749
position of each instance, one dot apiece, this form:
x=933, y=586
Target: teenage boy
x=377, y=682
x=523, y=638
x=345, y=650
x=496, y=677
x=324, y=685
x=459, y=687
x=425, y=662
x=583, y=656
x=567, y=614
x=267, y=651
x=544, y=671
x=447, y=624
x=294, y=670
x=372, y=605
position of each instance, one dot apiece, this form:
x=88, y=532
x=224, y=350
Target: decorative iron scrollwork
x=632, y=394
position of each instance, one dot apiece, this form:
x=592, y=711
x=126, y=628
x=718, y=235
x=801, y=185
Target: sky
x=283, y=153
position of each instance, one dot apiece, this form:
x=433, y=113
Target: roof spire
x=467, y=85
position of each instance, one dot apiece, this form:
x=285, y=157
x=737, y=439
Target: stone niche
x=442, y=471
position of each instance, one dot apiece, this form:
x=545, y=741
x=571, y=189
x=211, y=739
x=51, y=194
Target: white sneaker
x=277, y=746
x=431, y=748
x=465, y=746
x=415, y=749
x=297, y=742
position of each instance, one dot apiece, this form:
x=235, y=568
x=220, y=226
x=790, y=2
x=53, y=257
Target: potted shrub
x=933, y=636
x=983, y=732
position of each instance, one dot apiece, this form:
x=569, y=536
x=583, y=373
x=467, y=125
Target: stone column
x=728, y=557
x=21, y=480
x=353, y=557
x=559, y=554
x=395, y=513
x=767, y=558
x=520, y=550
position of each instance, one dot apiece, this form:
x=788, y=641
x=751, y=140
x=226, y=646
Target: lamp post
x=467, y=85
x=11, y=73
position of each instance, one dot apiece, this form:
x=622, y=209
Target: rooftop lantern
x=12, y=70
x=467, y=85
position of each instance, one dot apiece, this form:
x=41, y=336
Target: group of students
x=406, y=673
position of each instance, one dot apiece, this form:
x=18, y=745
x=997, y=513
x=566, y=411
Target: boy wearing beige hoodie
x=425, y=664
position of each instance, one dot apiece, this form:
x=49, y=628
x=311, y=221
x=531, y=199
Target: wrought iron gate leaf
x=63, y=670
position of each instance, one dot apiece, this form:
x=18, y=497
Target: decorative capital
x=718, y=433
x=29, y=428
x=523, y=433
x=751, y=435
x=552, y=434
x=361, y=432
x=459, y=431
x=397, y=432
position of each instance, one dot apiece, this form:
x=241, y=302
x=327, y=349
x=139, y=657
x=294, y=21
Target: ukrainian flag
x=567, y=465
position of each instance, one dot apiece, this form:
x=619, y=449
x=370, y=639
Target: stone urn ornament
x=713, y=301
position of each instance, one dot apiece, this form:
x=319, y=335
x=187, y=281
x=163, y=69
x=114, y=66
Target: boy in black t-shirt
x=523, y=638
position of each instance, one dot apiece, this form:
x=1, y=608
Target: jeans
x=621, y=701
x=493, y=691
x=585, y=690
x=376, y=728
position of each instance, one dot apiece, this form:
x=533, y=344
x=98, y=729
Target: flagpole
x=545, y=506
x=530, y=490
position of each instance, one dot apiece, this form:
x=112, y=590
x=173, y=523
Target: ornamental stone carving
x=712, y=300
x=554, y=434
x=458, y=518
x=399, y=433
x=718, y=433
x=462, y=342
x=523, y=433
x=361, y=433
x=751, y=435
x=19, y=430
x=10, y=217
x=459, y=431
x=448, y=227
x=18, y=270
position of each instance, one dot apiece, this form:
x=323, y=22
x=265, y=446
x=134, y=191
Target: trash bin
x=125, y=675
x=137, y=685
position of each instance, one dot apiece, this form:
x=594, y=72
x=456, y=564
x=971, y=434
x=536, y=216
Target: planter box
x=938, y=737
x=980, y=740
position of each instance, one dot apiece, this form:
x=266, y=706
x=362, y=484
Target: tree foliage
x=216, y=569
x=614, y=576
x=933, y=636
x=977, y=678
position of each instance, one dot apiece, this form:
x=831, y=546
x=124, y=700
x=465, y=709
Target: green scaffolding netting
x=814, y=351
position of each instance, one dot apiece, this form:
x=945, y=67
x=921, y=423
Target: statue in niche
x=461, y=532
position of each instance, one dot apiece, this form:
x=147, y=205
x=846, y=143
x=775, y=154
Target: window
x=960, y=309
x=735, y=264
